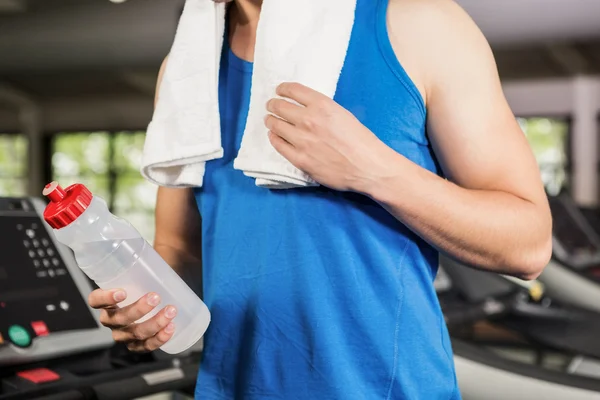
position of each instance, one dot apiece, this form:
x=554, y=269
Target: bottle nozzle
x=54, y=192
x=65, y=205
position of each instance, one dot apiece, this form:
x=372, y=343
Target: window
x=82, y=158
x=134, y=197
x=548, y=139
x=108, y=163
x=13, y=165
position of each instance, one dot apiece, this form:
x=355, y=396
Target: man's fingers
x=106, y=298
x=154, y=342
x=160, y=338
x=301, y=94
x=121, y=317
x=283, y=147
x=145, y=336
x=284, y=129
x=286, y=110
x=147, y=329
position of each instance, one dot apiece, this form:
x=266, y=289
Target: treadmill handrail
x=464, y=349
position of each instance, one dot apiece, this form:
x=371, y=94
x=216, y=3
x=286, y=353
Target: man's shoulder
x=437, y=22
x=434, y=33
x=440, y=11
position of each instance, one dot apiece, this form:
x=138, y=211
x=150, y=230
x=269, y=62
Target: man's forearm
x=187, y=266
x=491, y=230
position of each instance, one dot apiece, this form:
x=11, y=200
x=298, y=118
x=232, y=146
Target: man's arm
x=178, y=242
x=178, y=224
x=178, y=234
x=492, y=212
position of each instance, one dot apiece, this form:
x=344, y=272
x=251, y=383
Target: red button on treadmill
x=39, y=375
x=40, y=328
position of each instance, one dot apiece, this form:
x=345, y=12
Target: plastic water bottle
x=112, y=253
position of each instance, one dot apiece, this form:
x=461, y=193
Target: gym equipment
x=52, y=345
x=592, y=216
x=512, y=341
x=573, y=274
x=41, y=292
x=523, y=309
x=483, y=374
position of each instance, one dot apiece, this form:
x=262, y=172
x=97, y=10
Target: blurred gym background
x=77, y=80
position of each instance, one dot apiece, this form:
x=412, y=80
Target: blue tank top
x=317, y=294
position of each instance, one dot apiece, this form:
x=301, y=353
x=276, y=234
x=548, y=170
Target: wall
x=94, y=114
x=540, y=97
x=579, y=99
x=91, y=35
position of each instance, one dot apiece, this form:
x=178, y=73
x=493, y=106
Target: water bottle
x=112, y=253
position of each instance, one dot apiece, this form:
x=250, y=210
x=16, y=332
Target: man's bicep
x=479, y=143
x=472, y=129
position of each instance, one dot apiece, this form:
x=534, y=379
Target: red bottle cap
x=66, y=205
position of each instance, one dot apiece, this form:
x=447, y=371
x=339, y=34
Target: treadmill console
x=43, y=308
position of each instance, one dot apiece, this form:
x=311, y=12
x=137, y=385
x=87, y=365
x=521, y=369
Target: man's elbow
x=530, y=263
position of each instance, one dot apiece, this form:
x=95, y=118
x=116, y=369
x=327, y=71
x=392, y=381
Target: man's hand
x=321, y=138
x=139, y=337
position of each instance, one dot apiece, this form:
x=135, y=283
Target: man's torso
x=316, y=293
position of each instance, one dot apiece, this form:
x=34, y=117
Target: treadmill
x=573, y=274
x=511, y=341
x=592, y=215
x=52, y=345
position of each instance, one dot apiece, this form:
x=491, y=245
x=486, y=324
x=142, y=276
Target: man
x=326, y=293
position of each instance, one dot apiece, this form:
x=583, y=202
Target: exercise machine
x=592, y=215
x=510, y=340
x=523, y=309
x=52, y=345
x=484, y=374
x=573, y=274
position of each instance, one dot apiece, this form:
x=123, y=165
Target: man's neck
x=243, y=21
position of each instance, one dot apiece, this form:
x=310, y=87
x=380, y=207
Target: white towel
x=302, y=41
